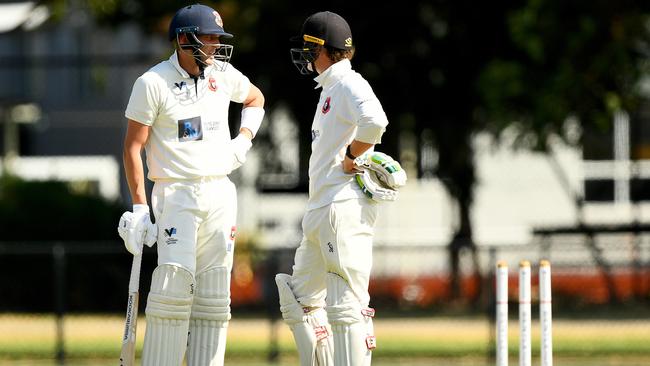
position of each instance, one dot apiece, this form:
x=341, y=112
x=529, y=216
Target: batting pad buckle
x=371, y=342
x=321, y=332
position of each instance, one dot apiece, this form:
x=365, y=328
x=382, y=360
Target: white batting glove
x=372, y=187
x=388, y=170
x=290, y=307
x=136, y=229
x=240, y=146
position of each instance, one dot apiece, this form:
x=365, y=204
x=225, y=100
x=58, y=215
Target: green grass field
x=95, y=340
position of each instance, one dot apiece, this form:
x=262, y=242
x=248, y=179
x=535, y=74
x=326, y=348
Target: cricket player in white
x=335, y=255
x=178, y=111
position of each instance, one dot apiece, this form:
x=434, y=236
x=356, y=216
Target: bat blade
x=127, y=355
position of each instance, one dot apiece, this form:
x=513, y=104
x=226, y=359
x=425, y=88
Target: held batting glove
x=136, y=229
x=388, y=170
x=372, y=187
x=381, y=176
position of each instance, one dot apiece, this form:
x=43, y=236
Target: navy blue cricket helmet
x=198, y=19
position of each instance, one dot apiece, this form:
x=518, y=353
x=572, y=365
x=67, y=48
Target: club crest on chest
x=326, y=105
x=212, y=84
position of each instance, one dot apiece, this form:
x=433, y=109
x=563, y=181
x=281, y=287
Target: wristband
x=251, y=118
x=349, y=154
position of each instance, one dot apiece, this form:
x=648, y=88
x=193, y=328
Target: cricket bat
x=127, y=356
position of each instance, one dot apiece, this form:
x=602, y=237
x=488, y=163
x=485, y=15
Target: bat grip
x=134, y=280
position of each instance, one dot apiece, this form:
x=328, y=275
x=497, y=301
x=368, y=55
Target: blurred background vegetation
x=445, y=71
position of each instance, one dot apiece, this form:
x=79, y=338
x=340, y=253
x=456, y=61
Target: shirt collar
x=173, y=59
x=333, y=74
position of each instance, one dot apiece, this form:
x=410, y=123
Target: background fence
x=598, y=272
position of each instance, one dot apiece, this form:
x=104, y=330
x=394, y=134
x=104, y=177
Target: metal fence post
x=58, y=254
x=271, y=300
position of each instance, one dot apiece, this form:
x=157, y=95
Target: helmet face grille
x=303, y=58
x=221, y=53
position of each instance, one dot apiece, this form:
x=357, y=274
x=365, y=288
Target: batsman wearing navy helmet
x=325, y=300
x=178, y=113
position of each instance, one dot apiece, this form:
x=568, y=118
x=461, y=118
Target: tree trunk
x=463, y=242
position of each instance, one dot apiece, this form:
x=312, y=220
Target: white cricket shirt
x=189, y=135
x=347, y=110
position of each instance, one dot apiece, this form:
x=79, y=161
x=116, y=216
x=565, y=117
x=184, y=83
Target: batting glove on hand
x=387, y=170
x=136, y=229
x=240, y=146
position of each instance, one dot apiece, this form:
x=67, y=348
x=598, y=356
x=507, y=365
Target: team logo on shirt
x=190, y=129
x=212, y=84
x=326, y=105
x=183, y=93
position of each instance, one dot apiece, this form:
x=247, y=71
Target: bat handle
x=134, y=280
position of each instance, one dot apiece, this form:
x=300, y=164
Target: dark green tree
x=51, y=210
x=448, y=69
x=582, y=59
x=579, y=61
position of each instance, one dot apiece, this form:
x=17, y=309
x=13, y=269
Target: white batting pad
x=168, y=313
x=311, y=331
x=209, y=319
x=351, y=323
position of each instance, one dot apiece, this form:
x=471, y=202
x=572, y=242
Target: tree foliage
x=50, y=210
x=447, y=69
x=577, y=58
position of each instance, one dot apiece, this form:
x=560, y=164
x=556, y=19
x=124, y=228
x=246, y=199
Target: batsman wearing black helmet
x=178, y=113
x=325, y=301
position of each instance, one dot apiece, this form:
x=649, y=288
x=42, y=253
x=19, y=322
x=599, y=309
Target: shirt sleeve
x=144, y=101
x=367, y=112
x=239, y=84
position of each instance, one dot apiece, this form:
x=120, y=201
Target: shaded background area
x=523, y=126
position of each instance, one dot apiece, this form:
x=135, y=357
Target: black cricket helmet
x=321, y=29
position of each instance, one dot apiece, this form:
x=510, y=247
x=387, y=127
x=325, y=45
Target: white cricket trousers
x=337, y=238
x=196, y=222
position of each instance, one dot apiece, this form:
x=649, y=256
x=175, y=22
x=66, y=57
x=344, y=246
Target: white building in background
x=102, y=172
x=516, y=191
